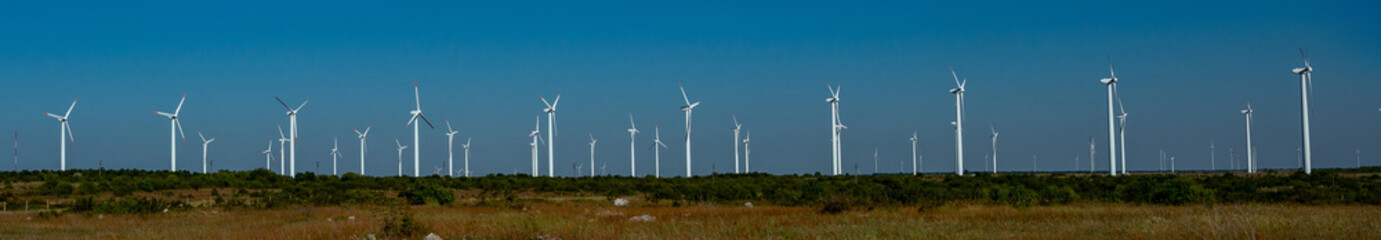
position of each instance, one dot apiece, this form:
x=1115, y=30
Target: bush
x=401, y=224
x=423, y=193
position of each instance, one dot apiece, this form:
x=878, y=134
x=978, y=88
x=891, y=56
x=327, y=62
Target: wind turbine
x=450, y=154
x=292, y=134
x=657, y=152
x=416, y=113
x=467, y=156
x=632, y=146
x=335, y=152
x=736, y=141
x=913, y=153
x=747, y=152
x=268, y=156
x=362, y=136
x=592, y=153
x=536, y=136
x=1306, y=83
x=204, y=143
x=689, y=108
x=1122, y=131
x=834, y=127
x=551, y=132
x=400, y=155
x=994, y=137
x=65, y=133
x=175, y=128
x=958, y=123
x=282, y=150
x=1251, y=166
x=1112, y=131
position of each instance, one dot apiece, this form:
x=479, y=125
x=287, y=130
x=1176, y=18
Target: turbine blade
x=544, y=101
x=60, y=117
x=280, y=132
x=285, y=105
x=179, y=130
x=69, y=133
x=357, y=132
x=203, y=138
x=631, y=122
x=179, y=104
x=956, y=76
x=424, y=119
x=410, y=121
x=366, y=129
x=416, y=96
x=556, y=102
x=304, y=104
x=683, y=94
x=735, y=120
x=448, y=126
x=69, y=109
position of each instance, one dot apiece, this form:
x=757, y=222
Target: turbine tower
x=204, y=143
x=1251, y=166
x=632, y=146
x=689, y=108
x=466, y=146
x=958, y=123
x=1122, y=131
x=1112, y=131
x=592, y=153
x=175, y=128
x=994, y=137
x=416, y=114
x=737, y=126
x=65, y=133
x=536, y=136
x=292, y=134
x=400, y=155
x=834, y=128
x=657, y=152
x=551, y=132
x=1306, y=83
x=450, y=154
x=362, y=136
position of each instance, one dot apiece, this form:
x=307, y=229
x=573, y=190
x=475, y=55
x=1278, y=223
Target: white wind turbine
x=450, y=154
x=994, y=137
x=632, y=146
x=689, y=108
x=362, y=136
x=1112, y=131
x=65, y=133
x=292, y=134
x=834, y=128
x=1122, y=131
x=746, y=153
x=400, y=155
x=958, y=123
x=536, y=136
x=416, y=114
x=204, y=143
x=175, y=128
x=551, y=132
x=335, y=152
x=1250, y=160
x=466, y=146
x=268, y=156
x=737, y=126
x=913, y=153
x=282, y=151
x=1306, y=83
x=657, y=152
x=592, y=153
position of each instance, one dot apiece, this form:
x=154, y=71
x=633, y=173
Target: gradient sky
x=1186, y=68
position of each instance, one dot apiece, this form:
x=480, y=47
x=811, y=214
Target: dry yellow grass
x=599, y=221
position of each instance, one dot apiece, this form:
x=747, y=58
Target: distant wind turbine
x=400, y=155
x=292, y=134
x=416, y=114
x=1306, y=83
x=1122, y=131
x=282, y=151
x=450, y=145
x=1251, y=161
x=689, y=108
x=64, y=134
x=737, y=126
x=835, y=162
x=362, y=136
x=747, y=152
x=958, y=122
x=657, y=152
x=592, y=153
x=467, y=155
x=1112, y=131
x=176, y=128
x=994, y=137
x=536, y=136
x=204, y=143
x=551, y=133
x=913, y=154
x=632, y=146
x=268, y=156
x=335, y=152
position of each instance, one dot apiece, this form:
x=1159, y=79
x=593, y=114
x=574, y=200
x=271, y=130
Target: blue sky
x=1186, y=69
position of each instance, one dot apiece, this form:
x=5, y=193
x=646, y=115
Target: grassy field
x=594, y=220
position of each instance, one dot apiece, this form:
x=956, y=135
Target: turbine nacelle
x=956, y=90
x=1302, y=70
x=831, y=100
x=1108, y=80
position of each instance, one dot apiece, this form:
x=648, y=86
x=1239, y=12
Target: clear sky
x=1186, y=68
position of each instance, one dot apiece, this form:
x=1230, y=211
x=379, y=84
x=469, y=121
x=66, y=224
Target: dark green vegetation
x=138, y=191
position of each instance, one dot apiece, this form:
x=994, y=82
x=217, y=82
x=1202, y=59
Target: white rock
x=643, y=218
x=351, y=218
x=432, y=236
x=748, y=204
x=620, y=202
